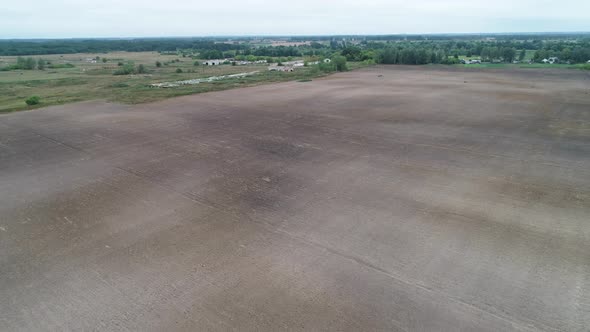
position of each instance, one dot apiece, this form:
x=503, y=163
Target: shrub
x=126, y=69
x=33, y=100
x=450, y=61
x=141, y=69
x=158, y=64
x=104, y=60
x=61, y=65
x=340, y=63
x=178, y=70
x=30, y=64
x=197, y=63
x=326, y=67
x=41, y=64
x=119, y=85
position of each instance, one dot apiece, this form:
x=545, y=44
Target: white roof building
x=215, y=62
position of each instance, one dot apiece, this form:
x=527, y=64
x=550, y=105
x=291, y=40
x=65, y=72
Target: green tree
x=41, y=64
x=30, y=63
x=21, y=63
x=508, y=54
x=158, y=64
x=178, y=70
x=141, y=69
x=104, y=60
x=522, y=55
x=352, y=53
x=339, y=63
x=126, y=69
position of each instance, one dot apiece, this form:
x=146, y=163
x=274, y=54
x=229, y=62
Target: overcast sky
x=141, y=18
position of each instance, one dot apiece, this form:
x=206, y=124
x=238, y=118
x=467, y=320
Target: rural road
x=425, y=199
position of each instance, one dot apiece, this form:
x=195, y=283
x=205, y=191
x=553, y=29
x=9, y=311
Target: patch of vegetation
x=33, y=100
x=126, y=69
x=130, y=68
x=60, y=65
x=119, y=85
x=337, y=63
x=41, y=64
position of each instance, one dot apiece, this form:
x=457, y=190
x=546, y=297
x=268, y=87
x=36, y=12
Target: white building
x=213, y=62
x=551, y=60
x=281, y=68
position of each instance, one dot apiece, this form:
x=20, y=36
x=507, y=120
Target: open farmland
x=387, y=198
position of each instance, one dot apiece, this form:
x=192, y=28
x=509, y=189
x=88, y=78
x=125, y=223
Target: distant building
x=551, y=60
x=213, y=62
x=296, y=63
x=281, y=68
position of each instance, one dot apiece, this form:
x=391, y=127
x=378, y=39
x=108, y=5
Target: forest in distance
x=394, y=49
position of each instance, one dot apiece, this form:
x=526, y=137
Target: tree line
x=59, y=46
x=27, y=64
x=436, y=49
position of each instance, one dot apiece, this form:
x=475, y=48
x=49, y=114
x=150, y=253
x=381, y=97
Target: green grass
x=92, y=81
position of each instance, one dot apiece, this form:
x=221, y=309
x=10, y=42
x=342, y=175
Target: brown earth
x=425, y=199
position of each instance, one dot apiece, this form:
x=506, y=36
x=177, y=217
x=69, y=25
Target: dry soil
x=389, y=198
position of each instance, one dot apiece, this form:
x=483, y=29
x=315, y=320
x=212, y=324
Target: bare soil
x=390, y=198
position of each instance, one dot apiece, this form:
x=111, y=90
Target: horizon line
x=305, y=35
